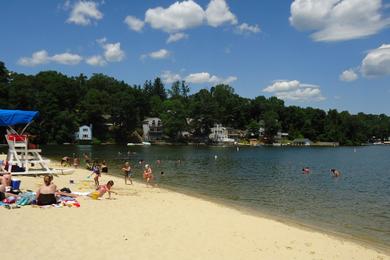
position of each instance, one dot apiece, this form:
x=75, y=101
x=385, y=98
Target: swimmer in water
x=335, y=173
x=306, y=170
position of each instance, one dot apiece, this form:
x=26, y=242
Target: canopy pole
x=24, y=129
x=12, y=130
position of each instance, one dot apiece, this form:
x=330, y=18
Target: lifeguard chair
x=20, y=159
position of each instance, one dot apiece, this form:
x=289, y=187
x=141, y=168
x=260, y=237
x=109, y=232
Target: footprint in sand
x=308, y=244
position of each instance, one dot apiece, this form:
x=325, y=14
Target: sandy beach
x=154, y=223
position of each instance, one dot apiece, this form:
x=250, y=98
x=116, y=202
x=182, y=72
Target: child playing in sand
x=96, y=171
x=148, y=174
x=102, y=189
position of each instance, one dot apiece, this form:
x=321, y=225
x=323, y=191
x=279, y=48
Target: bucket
x=15, y=183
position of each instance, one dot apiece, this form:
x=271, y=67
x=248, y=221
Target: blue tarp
x=14, y=117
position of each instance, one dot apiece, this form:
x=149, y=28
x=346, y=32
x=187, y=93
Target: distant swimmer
x=306, y=170
x=335, y=173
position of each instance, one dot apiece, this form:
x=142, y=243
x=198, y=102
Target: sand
x=155, y=223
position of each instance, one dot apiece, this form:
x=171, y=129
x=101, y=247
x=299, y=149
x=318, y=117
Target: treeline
x=117, y=110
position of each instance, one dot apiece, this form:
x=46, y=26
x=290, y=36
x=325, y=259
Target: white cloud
x=377, y=62
x=338, y=20
x=348, y=75
x=134, y=23
x=218, y=13
x=294, y=90
x=205, y=77
x=177, y=17
x=37, y=58
x=169, y=77
x=67, y=58
x=84, y=12
x=159, y=55
x=176, y=37
x=282, y=85
x=96, y=60
x=42, y=57
x=112, y=51
x=246, y=28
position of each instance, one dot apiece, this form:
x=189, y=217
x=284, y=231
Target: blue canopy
x=14, y=117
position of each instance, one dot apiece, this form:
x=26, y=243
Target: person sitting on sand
x=46, y=193
x=127, y=172
x=76, y=162
x=3, y=192
x=104, y=167
x=87, y=161
x=65, y=161
x=335, y=173
x=6, y=179
x=102, y=189
x=148, y=174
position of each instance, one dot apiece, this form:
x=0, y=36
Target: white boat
x=138, y=144
x=68, y=171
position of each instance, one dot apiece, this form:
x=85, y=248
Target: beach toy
x=15, y=183
x=94, y=195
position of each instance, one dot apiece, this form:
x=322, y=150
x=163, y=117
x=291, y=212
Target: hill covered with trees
x=66, y=102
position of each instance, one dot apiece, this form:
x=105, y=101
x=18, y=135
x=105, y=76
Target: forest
x=117, y=109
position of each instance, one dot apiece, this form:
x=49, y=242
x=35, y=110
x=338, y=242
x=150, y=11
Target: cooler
x=15, y=183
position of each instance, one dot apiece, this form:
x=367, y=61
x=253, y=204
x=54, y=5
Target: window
x=85, y=130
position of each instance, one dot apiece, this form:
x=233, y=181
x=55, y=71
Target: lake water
x=270, y=180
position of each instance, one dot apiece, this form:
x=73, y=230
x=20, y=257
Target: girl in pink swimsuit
x=102, y=189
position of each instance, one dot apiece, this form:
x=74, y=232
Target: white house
x=220, y=134
x=84, y=133
x=152, y=128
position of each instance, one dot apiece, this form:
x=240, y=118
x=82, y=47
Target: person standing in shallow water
x=335, y=173
x=148, y=174
x=127, y=172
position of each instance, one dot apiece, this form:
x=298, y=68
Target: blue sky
x=319, y=53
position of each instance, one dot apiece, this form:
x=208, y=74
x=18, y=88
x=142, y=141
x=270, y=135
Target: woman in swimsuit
x=104, y=167
x=46, y=193
x=127, y=172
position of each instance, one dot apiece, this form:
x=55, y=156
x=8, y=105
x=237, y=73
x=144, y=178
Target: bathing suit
x=2, y=196
x=104, y=169
x=46, y=199
x=102, y=190
x=96, y=170
x=128, y=173
x=147, y=174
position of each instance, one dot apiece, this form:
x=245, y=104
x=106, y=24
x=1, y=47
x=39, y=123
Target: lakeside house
x=152, y=129
x=84, y=133
x=302, y=142
x=220, y=134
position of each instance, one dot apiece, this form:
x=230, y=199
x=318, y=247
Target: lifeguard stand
x=20, y=159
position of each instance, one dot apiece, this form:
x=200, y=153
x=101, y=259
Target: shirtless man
x=46, y=194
